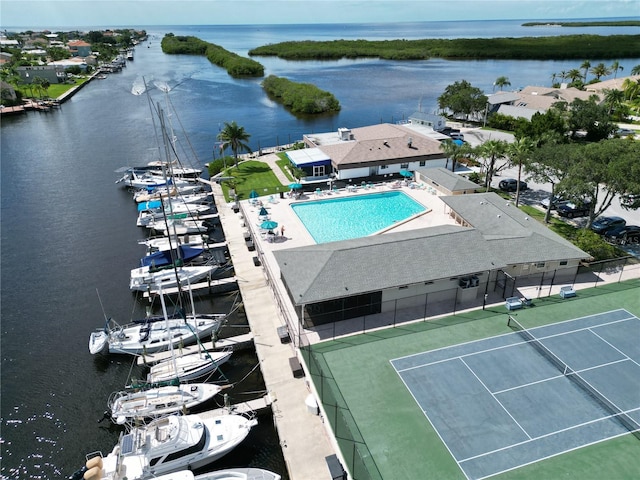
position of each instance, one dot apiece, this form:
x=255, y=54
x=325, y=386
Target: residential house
x=79, y=48
x=52, y=73
x=531, y=100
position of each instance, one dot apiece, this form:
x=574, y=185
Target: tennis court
x=511, y=400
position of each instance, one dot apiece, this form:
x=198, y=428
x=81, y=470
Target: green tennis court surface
x=387, y=429
x=514, y=399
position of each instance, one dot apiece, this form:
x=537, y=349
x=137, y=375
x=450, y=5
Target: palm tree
x=519, y=152
x=600, y=71
x=613, y=98
x=574, y=75
x=554, y=76
x=234, y=136
x=631, y=89
x=586, y=65
x=615, y=66
x=501, y=82
x=635, y=70
x=452, y=151
x=492, y=150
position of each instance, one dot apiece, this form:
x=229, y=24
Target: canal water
x=69, y=235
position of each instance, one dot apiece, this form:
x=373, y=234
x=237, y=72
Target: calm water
x=69, y=231
x=354, y=217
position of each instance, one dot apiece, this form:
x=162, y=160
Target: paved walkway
x=303, y=437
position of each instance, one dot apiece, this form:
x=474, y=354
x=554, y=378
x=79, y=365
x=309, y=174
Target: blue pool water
x=356, y=216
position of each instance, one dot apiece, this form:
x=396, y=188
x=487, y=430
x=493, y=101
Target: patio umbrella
x=406, y=173
x=458, y=142
x=253, y=194
x=268, y=225
x=295, y=186
x=263, y=212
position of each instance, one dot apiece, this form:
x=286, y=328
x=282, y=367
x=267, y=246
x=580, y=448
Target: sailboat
x=155, y=333
x=151, y=279
x=192, y=366
x=144, y=401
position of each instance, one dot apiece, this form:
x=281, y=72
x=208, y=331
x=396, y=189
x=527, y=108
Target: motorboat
x=141, y=401
x=169, y=444
x=152, y=280
x=239, y=474
x=154, y=334
x=189, y=367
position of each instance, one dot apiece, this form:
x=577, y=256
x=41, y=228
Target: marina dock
x=301, y=432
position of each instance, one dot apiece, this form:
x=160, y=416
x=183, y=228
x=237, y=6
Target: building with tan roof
x=377, y=150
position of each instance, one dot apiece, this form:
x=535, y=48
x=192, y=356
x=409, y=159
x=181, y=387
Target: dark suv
x=572, y=209
x=511, y=184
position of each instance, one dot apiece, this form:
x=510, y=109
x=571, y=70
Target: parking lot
x=537, y=192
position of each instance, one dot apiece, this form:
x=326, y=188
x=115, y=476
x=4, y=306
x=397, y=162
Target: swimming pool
x=356, y=216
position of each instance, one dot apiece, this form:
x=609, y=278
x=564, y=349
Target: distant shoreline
x=596, y=23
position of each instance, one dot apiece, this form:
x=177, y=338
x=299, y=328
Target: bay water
x=68, y=231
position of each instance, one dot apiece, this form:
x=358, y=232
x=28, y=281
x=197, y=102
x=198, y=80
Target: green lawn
x=355, y=373
x=252, y=175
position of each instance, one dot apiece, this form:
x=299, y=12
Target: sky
x=89, y=13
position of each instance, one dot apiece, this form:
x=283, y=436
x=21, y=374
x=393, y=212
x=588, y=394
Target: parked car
x=623, y=235
x=602, y=224
x=574, y=209
x=630, y=201
x=510, y=185
x=555, y=202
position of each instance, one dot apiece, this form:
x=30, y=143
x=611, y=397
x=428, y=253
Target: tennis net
x=628, y=422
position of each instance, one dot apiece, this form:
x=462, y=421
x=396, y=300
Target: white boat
x=140, y=403
x=154, y=334
x=137, y=179
x=179, y=225
x=171, y=444
x=188, y=367
x=239, y=474
x=150, y=194
x=177, y=207
x=163, y=243
x=149, y=279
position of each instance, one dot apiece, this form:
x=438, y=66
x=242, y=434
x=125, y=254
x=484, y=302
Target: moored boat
x=170, y=444
x=142, y=402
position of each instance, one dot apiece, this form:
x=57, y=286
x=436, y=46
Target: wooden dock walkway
x=256, y=406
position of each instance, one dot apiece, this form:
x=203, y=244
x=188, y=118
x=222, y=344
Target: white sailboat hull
x=161, y=335
x=145, y=280
x=187, y=367
x=154, y=402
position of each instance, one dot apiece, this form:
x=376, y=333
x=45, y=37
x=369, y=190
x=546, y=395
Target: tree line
x=524, y=48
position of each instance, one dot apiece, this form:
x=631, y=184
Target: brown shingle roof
x=381, y=143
